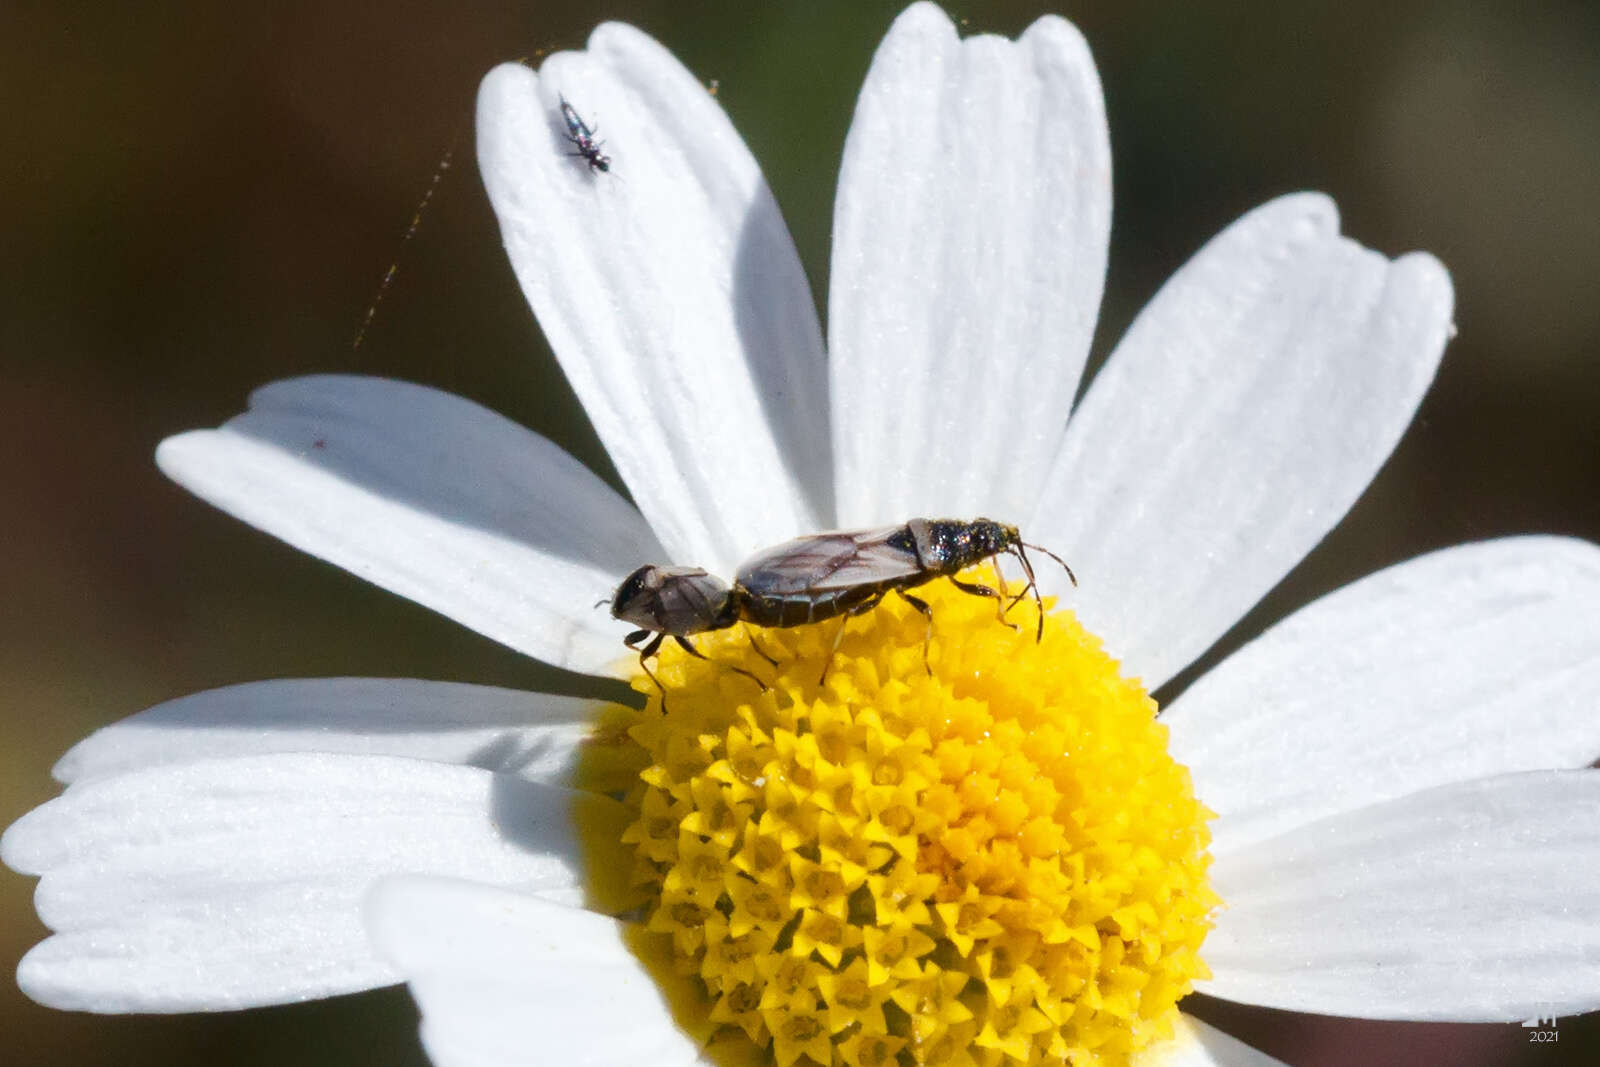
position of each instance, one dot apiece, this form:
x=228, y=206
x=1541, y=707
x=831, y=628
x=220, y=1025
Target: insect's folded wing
x=830, y=561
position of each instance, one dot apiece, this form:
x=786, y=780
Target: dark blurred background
x=197, y=198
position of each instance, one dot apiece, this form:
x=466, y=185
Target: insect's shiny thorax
x=945, y=546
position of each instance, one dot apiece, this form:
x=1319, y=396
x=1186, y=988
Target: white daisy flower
x=1376, y=809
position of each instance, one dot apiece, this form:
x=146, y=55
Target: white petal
x=1473, y=902
x=533, y=735
x=1469, y=662
x=1198, y=1044
x=969, y=255
x=503, y=979
x=431, y=497
x=237, y=882
x=670, y=291
x=1249, y=405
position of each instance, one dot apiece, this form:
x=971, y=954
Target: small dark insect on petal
x=582, y=137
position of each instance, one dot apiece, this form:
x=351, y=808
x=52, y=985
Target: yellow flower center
x=993, y=861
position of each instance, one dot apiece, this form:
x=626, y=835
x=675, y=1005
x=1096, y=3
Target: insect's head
x=993, y=537
x=674, y=600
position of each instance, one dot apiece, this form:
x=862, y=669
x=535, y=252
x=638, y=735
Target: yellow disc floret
x=987, y=860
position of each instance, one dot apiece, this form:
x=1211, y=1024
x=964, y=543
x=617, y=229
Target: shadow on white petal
x=1471, y=902
x=505, y=979
x=533, y=735
x=1476, y=660
x=1199, y=1044
x=434, y=498
x=229, y=883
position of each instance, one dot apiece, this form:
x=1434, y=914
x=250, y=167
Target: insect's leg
x=751, y=634
x=1027, y=586
x=927, y=613
x=982, y=590
x=1022, y=594
x=838, y=637
x=632, y=641
x=1073, y=578
x=683, y=642
x=697, y=654
x=1033, y=586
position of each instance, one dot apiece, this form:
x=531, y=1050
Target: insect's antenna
x=1058, y=559
x=411, y=231
x=603, y=601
